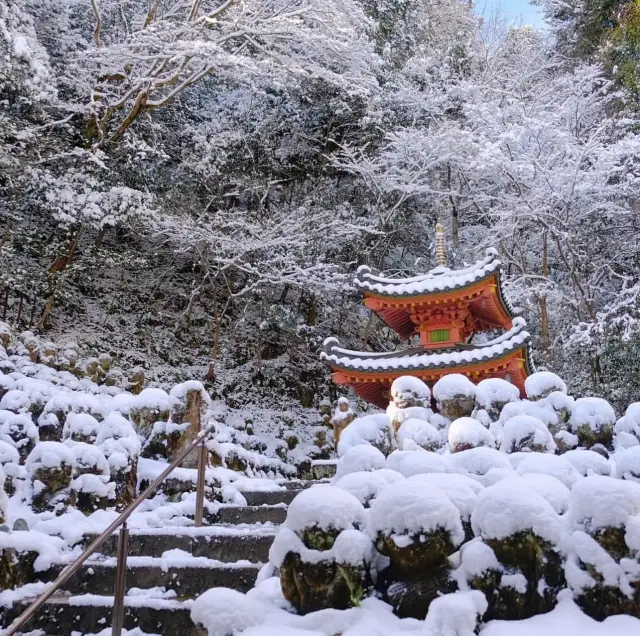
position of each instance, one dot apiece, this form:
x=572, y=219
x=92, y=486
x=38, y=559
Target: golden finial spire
x=441, y=258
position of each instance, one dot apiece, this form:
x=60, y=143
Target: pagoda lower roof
x=417, y=359
x=436, y=281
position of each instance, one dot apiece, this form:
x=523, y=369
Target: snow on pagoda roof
x=415, y=359
x=438, y=279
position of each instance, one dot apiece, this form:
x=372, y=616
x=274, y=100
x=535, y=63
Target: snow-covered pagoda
x=450, y=310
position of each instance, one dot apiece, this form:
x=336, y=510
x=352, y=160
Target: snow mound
x=632, y=417
x=475, y=558
x=456, y=614
x=364, y=486
x=588, y=462
x=15, y=400
x=325, y=507
x=511, y=506
x=373, y=430
x=521, y=430
x=453, y=385
x=540, y=410
x=155, y=399
x=542, y=383
x=592, y=412
x=88, y=458
x=408, y=508
x=495, y=390
x=627, y=464
x=461, y=490
x=415, y=462
x=222, y=611
x=466, y=433
x=599, y=502
x=550, y=488
x=352, y=547
x=479, y=461
x=359, y=458
x=8, y=454
x=553, y=465
x=416, y=432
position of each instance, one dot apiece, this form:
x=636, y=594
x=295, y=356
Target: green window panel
x=439, y=335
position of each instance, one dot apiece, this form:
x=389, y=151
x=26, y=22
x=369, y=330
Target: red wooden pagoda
x=446, y=308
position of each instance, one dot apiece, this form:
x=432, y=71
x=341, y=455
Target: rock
x=20, y=525
x=4, y=528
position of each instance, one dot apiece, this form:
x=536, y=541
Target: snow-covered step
x=90, y=614
x=270, y=497
x=224, y=543
x=249, y=514
x=186, y=575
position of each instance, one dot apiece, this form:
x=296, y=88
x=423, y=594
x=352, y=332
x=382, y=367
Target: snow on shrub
x=539, y=385
x=599, y=502
x=19, y=431
x=588, y=462
x=325, y=508
x=408, y=508
x=632, y=419
x=373, y=430
x=415, y=432
x=8, y=453
x=479, y=461
x=466, y=433
x=460, y=489
x=550, y=488
x=525, y=432
x=359, y=458
x=627, y=464
x=545, y=464
x=415, y=462
x=474, y=559
x=91, y=484
x=364, y=486
x=494, y=392
x=509, y=507
x=457, y=614
x=81, y=427
x=622, y=441
x=540, y=410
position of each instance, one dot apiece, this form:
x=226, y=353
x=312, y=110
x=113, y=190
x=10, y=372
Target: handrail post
x=117, y=618
x=202, y=469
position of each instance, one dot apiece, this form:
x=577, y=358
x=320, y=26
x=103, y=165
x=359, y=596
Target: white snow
x=81, y=425
x=466, y=431
x=359, y=458
x=406, y=507
x=537, y=384
x=15, y=401
x=352, y=547
x=627, y=464
x=453, y=385
x=550, y=488
x=48, y=548
x=325, y=507
x=89, y=458
x=417, y=461
x=479, y=461
x=509, y=507
x=474, y=559
x=155, y=399
x=461, y=490
x=523, y=429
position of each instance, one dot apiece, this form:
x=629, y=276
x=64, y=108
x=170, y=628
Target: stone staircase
x=185, y=561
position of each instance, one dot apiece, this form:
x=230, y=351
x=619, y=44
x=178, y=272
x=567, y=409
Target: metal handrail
x=72, y=568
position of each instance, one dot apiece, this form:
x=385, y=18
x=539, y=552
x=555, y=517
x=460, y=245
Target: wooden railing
x=121, y=523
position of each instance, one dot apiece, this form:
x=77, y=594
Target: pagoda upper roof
x=435, y=281
x=418, y=359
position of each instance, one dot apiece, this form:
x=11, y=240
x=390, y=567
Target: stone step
x=249, y=514
x=188, y=578
x=227, y=544
x=270, y=497
x=88, y=614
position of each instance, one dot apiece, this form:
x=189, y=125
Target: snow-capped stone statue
x=455, y=395
x=50, y=469
x=342, y=417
